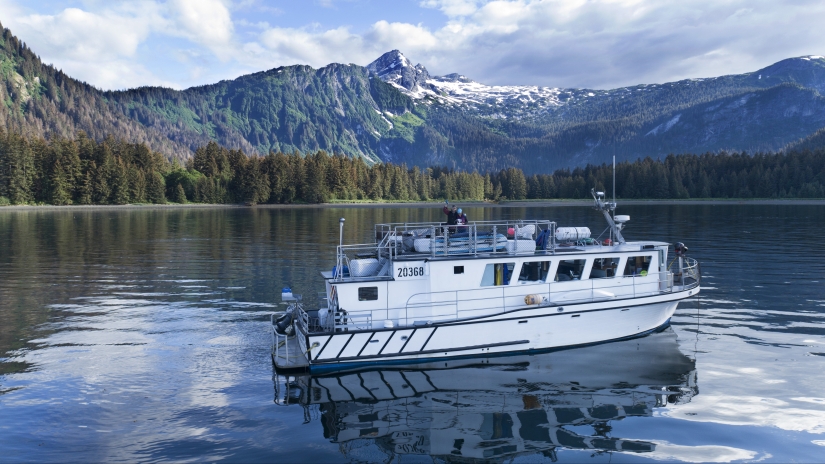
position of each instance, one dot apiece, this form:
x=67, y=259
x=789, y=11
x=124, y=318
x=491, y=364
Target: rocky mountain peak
x=394, y=68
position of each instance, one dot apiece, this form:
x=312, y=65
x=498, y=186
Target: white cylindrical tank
x=363, y=267
x=621, y=218
x=571, y=234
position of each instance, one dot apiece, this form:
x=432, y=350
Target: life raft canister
x=532, y=299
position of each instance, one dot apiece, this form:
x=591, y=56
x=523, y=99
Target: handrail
x=391, y=240
x=427, y=307
x=549, y=291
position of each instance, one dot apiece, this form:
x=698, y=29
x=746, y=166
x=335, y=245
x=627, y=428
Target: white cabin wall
x=443, y=278
x=348, y=296
x=441, y=291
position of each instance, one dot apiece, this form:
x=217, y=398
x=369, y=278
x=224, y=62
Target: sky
x=601, y=44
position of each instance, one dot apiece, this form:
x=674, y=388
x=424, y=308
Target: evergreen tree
x=179, y=195
x=155, y=190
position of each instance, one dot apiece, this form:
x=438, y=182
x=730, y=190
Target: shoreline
x=505, y=204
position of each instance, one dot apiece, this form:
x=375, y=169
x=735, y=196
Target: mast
x=614, y=184
x=607, y=208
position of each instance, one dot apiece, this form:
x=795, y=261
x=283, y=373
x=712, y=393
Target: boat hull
x=524, y=330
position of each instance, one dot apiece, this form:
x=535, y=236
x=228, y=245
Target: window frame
x=617, y=258
x=546, y=276
x=367, y=297
x=584, y=269
x=649, y=256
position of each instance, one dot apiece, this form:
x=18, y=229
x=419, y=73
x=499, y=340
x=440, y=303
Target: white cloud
x=575, y=43
x=207, y=22
x=452, y=7
x=563, y=43
x=78, y=35
x=282, y=46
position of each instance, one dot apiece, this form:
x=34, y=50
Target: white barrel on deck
x=363, y=267
x=520, y=246
x=571, y=234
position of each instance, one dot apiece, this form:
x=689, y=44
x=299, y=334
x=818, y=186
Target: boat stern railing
x=296, y=331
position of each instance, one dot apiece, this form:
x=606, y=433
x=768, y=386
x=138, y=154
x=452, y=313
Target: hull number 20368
x=411, y=271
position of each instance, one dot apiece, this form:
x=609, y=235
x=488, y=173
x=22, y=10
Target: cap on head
x=459, y=210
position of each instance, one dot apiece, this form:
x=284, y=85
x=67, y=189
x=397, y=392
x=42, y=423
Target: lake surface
x=142, y=335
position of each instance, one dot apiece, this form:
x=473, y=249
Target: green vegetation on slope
x=82, y=171
x=342, y=109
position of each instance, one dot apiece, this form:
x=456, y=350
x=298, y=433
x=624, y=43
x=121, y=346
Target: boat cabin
x=418, y=274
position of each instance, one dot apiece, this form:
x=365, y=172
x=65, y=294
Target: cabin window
x=367, y=293
x=637, y=265
x=604, y=267
x=570, y=269
x=497, y=274
x=534, y=271
x=458, y=269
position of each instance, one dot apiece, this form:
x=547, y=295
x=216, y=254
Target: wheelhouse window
x=604, y=268
x=637, y=265
x=534, y=271
x=497, y=274
x=367, y=293
x=569, y=269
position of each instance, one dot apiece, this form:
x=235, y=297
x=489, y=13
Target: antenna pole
x=614, y=185
x=339, y=263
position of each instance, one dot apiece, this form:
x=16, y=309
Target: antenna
x=614, y=185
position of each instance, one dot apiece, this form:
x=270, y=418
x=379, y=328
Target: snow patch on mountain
x=665, y=126
x=456, y=89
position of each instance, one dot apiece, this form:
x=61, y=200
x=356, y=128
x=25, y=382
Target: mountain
x=536, y=127
x=392, y=110
x=39, y=100
x=338, y=108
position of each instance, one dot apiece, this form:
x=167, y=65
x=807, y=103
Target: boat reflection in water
x=498, y=408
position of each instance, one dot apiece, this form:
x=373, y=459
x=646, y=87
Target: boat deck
x=288, y=356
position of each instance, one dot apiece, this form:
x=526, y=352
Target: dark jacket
x=452, y=216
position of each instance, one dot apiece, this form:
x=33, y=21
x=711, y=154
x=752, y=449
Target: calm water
x=141, y=335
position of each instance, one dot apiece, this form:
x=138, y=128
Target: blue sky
x=116, y=44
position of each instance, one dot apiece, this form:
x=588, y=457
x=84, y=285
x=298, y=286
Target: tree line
x=82, y=171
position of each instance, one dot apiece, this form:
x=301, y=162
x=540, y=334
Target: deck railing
x=297, y=331
x=451, y=305
x=434, y=239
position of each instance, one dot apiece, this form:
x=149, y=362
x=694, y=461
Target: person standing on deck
x=452, y=214
x=461, y=218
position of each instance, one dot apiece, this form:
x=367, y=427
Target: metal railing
x=298, y=329
x=344, y=321
x=433, y=239
x=428, y=307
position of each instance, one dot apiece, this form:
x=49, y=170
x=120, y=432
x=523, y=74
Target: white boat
x=477, y=291
x=500, y=407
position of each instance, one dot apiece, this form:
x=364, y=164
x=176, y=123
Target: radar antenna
x=608, y=208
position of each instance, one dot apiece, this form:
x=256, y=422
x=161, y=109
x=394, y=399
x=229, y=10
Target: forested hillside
x=41, y=101
x=81, y=171
x=338, y=108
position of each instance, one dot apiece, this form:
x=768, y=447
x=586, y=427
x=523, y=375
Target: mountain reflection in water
x=498, y=408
